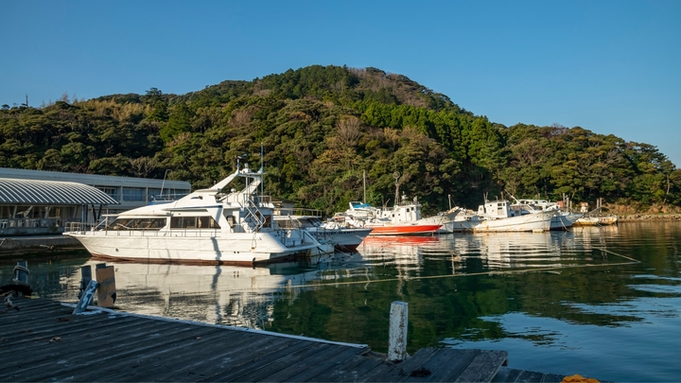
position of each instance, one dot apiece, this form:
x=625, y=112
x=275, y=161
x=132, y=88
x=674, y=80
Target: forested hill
x=322, y=127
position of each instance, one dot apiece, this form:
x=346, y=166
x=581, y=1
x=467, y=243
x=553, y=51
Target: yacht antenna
x=163, y=184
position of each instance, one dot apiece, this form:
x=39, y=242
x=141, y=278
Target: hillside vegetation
x=320, y=128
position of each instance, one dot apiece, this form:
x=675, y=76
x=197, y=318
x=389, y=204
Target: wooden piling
x=397, y=345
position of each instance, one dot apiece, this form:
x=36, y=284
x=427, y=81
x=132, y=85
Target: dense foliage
x=322, y=128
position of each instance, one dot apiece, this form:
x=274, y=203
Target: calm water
x=600, y=302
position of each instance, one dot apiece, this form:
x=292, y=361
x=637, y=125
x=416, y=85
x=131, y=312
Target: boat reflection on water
x=405, y=251
x=520, y=250
x=228, y=295
x=474, y=252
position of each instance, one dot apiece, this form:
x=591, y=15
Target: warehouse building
x=44, y=202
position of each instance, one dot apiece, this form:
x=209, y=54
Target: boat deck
x=44, y=341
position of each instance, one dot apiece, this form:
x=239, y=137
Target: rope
x=630, y=260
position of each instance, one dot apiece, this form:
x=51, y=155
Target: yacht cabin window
x=204, y=222
x=138, y=224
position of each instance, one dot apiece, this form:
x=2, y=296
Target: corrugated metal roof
x=51, y=193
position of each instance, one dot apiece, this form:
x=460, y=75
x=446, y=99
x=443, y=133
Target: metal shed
x=42, y=207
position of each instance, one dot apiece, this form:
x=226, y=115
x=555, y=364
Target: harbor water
x=603, y=302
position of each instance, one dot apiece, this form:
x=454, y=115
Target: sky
x=612, y=67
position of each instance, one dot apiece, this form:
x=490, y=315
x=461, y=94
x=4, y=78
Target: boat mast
x=364, y=177
x=262, y=172
x=397, y=187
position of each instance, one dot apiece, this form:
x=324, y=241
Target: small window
x=207, y=223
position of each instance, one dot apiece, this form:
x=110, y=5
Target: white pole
x=364, y=177
x=397, y=344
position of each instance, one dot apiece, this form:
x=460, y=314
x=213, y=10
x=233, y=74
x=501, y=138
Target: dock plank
x=483, y=367
x=322, y=363
x=352, y=369
x=395, y=371
x=267, y=365
x=444, y=366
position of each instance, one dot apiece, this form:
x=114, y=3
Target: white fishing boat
x=561, y=220
x=219, y=225
x=454, y=220
x=501, y=216
x=342, y=238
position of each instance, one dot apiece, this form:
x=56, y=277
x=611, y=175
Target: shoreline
x=640, y=217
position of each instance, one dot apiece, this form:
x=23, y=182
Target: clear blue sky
x=613, y=67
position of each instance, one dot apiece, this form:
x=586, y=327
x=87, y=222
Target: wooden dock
x=44, y=341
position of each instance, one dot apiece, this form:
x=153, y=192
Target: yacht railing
x=295, y=211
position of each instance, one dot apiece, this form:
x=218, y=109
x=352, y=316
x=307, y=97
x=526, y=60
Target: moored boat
x=219, y=225
x=596, y=221
x=502, y=216
x=402, y=219
x=342, y=238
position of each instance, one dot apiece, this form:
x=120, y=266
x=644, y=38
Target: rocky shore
x=648, y=217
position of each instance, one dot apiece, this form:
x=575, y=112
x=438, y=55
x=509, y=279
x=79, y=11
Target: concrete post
x=397, y=345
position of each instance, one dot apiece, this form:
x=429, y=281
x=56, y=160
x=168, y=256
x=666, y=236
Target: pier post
x=397, y=345
x=106, y=291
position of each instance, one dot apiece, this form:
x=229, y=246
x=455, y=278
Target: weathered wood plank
x=530, y=376
x=234, y=358
x=303, y=360
x=362, y=371
x=104, y=355
x=340, y=357
x=161, y=361
x=266, y=365
x=444, y=366
x=553, y=378
x=351, y=369
x=508, y=375
x=27, y=336
x=483, y=367
x=199, y=363
x=170, y=361
x=397, y=371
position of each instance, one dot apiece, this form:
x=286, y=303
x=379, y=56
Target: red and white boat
x=402, y=219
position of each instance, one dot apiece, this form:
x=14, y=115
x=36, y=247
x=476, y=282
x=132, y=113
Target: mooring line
x=482, y=273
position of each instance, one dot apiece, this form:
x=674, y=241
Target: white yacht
x=219, y=225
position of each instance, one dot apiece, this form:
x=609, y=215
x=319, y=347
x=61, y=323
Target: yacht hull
x=238, y=249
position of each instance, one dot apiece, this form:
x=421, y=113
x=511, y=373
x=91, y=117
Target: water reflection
x=230, y=295
x=480, y=251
